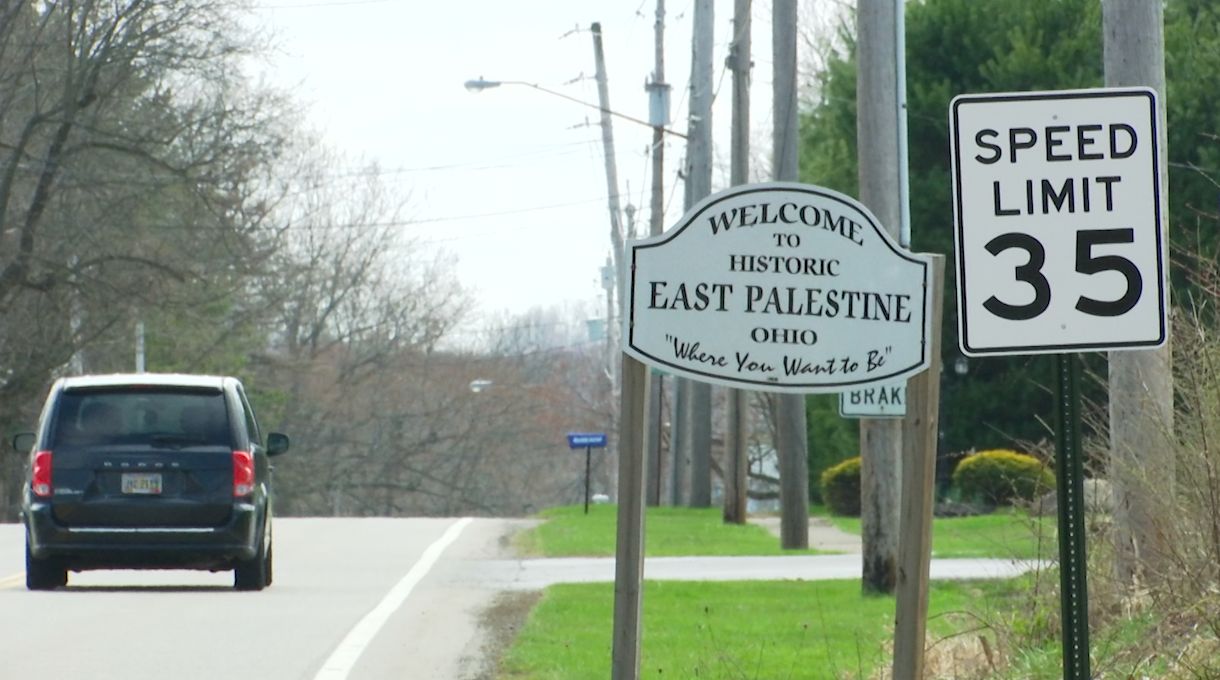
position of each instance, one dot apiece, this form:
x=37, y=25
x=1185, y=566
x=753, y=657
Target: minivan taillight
x=243, y=473
x=40, y=481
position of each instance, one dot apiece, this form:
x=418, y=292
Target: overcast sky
x=511, y=181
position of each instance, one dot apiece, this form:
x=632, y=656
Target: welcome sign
x=782, y=287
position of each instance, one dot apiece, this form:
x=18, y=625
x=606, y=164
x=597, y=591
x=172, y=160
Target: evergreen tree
x=961, y=46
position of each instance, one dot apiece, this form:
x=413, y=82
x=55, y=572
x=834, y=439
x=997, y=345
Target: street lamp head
x=478, y=84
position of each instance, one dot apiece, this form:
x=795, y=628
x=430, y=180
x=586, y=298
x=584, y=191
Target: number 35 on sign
x=1058, y=221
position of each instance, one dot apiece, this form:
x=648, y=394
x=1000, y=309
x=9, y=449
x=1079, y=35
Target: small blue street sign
x=582, y=440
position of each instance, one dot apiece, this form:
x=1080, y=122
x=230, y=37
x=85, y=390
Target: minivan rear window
x=153, y=416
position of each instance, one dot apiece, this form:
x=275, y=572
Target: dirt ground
x=500, y=623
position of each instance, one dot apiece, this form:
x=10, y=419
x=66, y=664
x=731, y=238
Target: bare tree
x=142, y=179
x=132, y=180
x=115, y=180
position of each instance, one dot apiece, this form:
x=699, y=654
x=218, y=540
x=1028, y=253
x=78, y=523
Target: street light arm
x=479, y=85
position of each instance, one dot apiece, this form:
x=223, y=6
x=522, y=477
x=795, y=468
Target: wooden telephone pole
x=790, y=416
x=736, y=458
x=658, y=91
x=1141, y=383
x=698, y=186
x=879, y=159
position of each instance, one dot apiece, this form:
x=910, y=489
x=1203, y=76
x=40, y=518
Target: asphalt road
x=366, y=599
x=337, y=609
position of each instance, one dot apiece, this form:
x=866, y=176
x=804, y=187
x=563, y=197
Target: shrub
x=841, y=487
x=1001, y=476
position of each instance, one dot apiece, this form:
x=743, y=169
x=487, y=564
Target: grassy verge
x=1004, y=534
x=669, y=532
x=680, y=532
x=1117, y=653
x=783, y=629
x=738, y=630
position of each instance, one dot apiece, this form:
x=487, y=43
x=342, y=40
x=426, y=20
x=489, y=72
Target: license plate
x=142, y=483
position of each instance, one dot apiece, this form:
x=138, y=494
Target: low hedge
x=841, y=488
x=1001, y=477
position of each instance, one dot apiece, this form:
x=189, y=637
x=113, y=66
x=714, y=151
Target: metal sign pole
x=588, y=455
x=1073, y=568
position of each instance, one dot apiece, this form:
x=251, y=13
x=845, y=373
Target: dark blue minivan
x=148, y=471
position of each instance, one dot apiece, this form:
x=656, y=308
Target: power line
x=335, y=226
x=324, y=3
x=556, y=150
x=473, y=216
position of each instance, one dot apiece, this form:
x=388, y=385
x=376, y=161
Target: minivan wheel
x=254, y=574
x=43, y=574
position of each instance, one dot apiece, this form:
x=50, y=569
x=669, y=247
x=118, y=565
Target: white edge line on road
x=12, y=581
x=344, y=658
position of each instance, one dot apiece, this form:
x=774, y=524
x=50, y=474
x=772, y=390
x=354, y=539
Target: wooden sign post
x=780, y=287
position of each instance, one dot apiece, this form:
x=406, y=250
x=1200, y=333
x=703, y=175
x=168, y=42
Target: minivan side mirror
x=23, y=441
x=277, y=443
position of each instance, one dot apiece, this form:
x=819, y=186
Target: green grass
x=1004, y=534
x=680, y=532
x=737, y=630
x=668, y=532
x=747, y=630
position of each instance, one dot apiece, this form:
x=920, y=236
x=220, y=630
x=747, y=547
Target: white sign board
x=887, y=400
x=781, y=287
x=1058, y=234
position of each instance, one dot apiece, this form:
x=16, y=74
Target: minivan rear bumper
x=151, y=547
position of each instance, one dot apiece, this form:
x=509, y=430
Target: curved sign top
x=780, y=287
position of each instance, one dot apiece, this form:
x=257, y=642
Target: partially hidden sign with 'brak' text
x=781, y=287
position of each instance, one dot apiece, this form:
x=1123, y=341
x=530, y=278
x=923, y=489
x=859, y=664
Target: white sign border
x=958, y=226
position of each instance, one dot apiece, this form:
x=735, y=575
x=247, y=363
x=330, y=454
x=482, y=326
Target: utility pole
x=609, y=281
x=679, y=436
x=76, y=363
x=633, y=467
x=658, y=113
x=616, y=225
x=1141, y=383
x=880, y=180
x=736, y=458
x=698, y=186
x=140, y=356
x=790, y=416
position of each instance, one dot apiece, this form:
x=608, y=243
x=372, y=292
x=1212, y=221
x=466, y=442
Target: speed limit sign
x=1058, y=235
